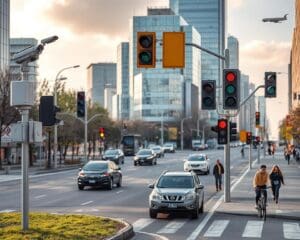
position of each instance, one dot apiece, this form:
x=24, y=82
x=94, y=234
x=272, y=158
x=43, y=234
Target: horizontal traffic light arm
x=81, y=120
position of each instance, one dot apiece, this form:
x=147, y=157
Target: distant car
x=177, y=192
x=220, y=146
x=199, y=163
x=145, y=156
x=99, y=173
x=169, y=147
x=158, y=151
x=115, y=155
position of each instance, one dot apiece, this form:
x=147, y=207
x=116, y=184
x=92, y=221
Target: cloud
x=109, y=17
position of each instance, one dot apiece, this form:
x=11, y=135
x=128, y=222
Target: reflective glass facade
x=158, y=90
x=123, y=80
x=4, y=34
x=233, y=47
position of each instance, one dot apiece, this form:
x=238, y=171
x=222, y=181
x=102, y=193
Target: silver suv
x=176, y=192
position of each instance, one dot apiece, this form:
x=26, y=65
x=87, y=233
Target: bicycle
x=262, y=204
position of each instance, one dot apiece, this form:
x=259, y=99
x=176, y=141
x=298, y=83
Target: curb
x=269, y=215
x=125, y=233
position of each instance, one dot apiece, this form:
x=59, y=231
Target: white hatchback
x=199, y=163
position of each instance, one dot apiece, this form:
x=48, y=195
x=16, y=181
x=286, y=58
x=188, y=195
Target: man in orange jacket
x=260, y=181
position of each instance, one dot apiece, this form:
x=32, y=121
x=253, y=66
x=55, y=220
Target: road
x=58, y=193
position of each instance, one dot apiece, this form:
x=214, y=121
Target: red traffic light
x=222, y=124
x=230, y=76
x=248, y=134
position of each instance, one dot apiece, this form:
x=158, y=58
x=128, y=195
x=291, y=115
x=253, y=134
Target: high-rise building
x=168, y=92
x=233, y=47
x=251, y=103
x=109, y=93
x=100, y=76
x=244, y=114
x=17, y=45
x=295, y=59
x=123, y=80
x=4, y=34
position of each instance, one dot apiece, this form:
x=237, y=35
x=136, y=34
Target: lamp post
x=181, y=130
x=55, y=103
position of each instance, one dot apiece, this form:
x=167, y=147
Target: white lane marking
x=142, y=223
x=7, y=211
x=40, y=196
x=119, y=191
x=156, y=236
x=253, y=229
x=278, y=211
x=79, y=210
x=172, y=227
x=211, y=211
x=86, y=203
x=217, y=228
x=291, y=230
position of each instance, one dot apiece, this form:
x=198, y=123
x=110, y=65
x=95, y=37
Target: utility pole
x=85, y=132
x=227, y=164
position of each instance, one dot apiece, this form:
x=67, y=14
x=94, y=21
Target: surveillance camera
x=49, y=40
x=28, y=55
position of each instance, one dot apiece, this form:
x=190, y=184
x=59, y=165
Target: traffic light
x=173, y=49
x=249, y=138
x=146, y=49
x=47, y=111
x=257, y=119
x=222, y=131
x=102, y=133
x=270, y=84
x=208, y=94
x=80, y=104
x=233, y=131
x=231, y=88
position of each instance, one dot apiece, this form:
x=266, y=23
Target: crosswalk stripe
x=172, y=227
x=291, y=230
x=217, y=228
x=253, y=229
x=142, y=223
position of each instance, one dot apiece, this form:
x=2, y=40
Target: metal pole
x=55, y=127
x=49, y=149
x=162, y=129
x=181, y=135
x=227, y=165
x=250, y=156
x=198, y=131
x=85, y=133
x=203, y=134
x=25, y=183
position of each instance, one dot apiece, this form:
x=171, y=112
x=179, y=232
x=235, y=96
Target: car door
x=199, y=191
x=115, y=172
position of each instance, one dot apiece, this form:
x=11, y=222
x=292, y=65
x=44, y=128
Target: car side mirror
x=118, y=168
x=151, y=186
x=79, y=169
x=200, y=187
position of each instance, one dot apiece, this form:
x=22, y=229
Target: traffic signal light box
x=231, y=88
x=80, y=104
x=102, y=133
x=208, y=94
x=249, y=138
x=47, y=111
x=270, y=84
x=146, y=49
x=257, y=119
x=222, y=131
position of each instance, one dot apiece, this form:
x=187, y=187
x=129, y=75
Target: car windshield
x=95, y=166
x=168, y=145
x=156, y=148
x=144, y=152
x=111, y=152
x=196, y=158
x=175, y=182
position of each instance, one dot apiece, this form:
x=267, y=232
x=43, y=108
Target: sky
x=90, y=30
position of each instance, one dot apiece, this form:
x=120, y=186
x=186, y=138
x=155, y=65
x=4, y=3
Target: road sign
x=243, y=136
x=174, y=49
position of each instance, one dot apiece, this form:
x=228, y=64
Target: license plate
x=92, y=181
x=172, y=205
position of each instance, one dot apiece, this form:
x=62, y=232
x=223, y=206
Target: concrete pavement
x=243, y=196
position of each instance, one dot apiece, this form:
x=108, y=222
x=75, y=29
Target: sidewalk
x=243, y=196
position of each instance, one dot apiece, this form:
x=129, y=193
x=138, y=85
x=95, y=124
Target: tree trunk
x=65, y=151
x=0, y=147
x=73, y=150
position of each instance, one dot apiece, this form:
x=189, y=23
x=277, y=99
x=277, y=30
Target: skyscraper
x=233, y=47
x=168, y=92
x=100, y=76
x=244, y=114
x=4, y=34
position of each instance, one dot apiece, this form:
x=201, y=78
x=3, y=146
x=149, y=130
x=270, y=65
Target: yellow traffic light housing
x=146, y=49
x=174, y=49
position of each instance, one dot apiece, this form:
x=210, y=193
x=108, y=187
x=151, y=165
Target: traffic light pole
x=85, y=133
x=227, y=164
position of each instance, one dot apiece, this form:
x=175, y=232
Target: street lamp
x=55, y=104
x=181, y=130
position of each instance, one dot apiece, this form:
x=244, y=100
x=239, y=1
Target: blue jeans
x=258, y=193
x=275, y=190
x=218, y=181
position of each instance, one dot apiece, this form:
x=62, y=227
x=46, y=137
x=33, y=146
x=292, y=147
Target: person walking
x=218, y=171
x=276, y=179
x=260, y=182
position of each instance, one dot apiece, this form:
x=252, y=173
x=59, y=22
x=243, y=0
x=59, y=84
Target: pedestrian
x=260, y=182
x=218, y=172
x=276, y=179
x=242, y=152
x=269, y=149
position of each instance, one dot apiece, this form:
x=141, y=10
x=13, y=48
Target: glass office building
x=158, y=91
x=4, y=34
x=233, y=47
x=123, y=80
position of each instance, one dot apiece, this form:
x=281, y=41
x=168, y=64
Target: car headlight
x=156, y=196
x=190, y=196
x=116, y=157
x=150, y=157
x=81, y=174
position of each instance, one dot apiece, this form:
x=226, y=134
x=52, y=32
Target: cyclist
x=276, y=179
x=260, y=181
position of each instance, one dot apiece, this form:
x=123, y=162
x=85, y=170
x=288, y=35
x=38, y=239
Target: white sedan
x=199, y=163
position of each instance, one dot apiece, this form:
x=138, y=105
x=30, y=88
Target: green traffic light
x=271, y=90
x=230, y=89
x=208, y=102
x=231, y=102
x=145, y=57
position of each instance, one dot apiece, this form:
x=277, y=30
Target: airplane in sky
x=275, y=20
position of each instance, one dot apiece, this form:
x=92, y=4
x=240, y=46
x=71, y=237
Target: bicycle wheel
x=264, y=209
x=264, y=213
x=259, y=209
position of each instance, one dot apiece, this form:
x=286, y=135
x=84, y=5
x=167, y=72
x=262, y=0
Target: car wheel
x=110, y=184
x=119, y=184
x=195, y=213
x=135, y=163
x=118, y=162
x=208, y=171
x=123, y=160
x=152, y=162
x=201, y=209
x=80, y=187
x=152, y=213
x=155, y=161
